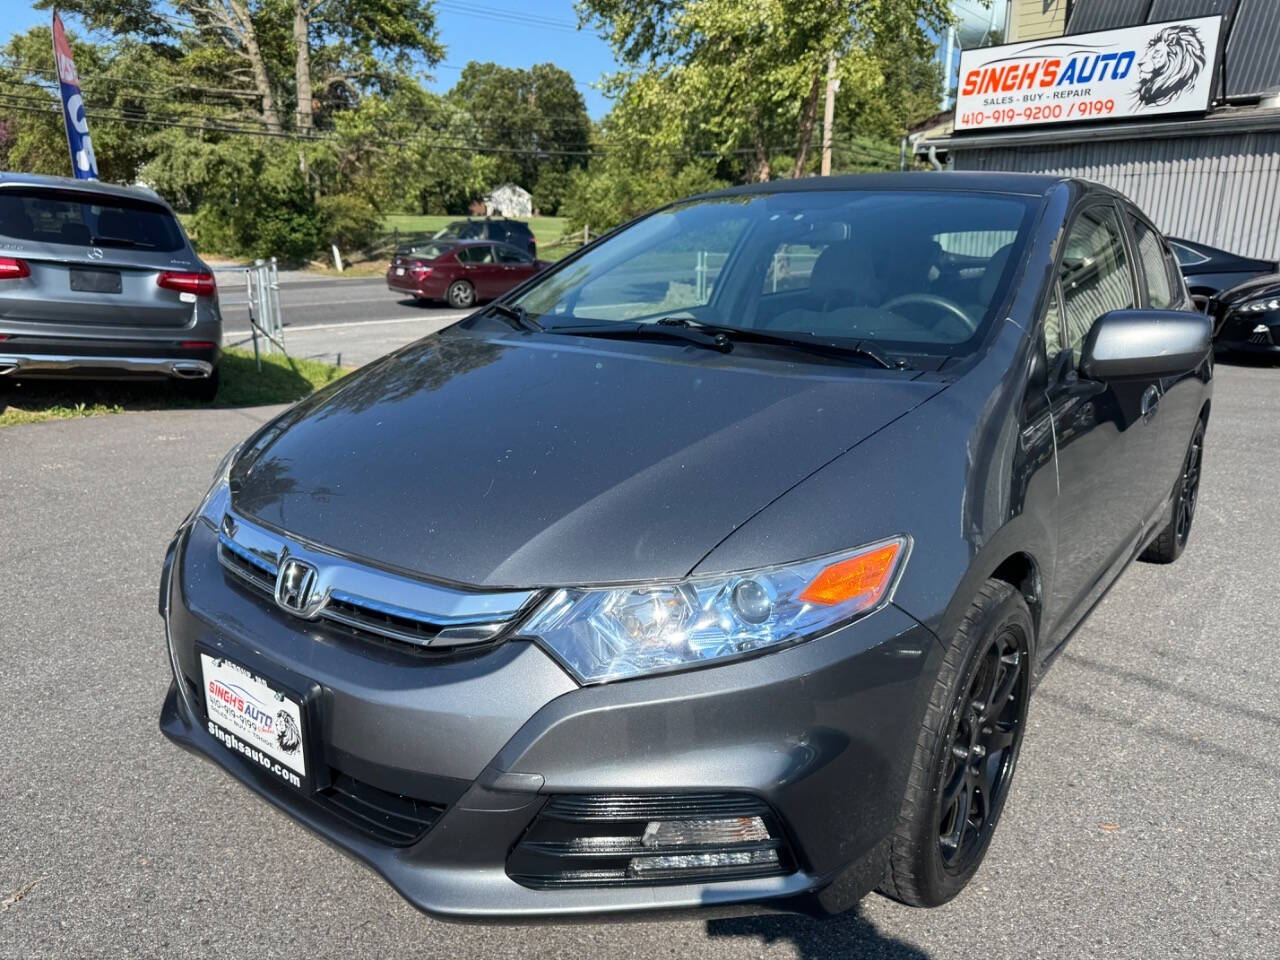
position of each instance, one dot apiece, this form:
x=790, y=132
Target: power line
x=14, y=64
x=27, y=105
x=507, y=16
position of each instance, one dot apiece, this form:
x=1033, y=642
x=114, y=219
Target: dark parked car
x=100, y=281
x=1247, y=318
x=461, y=273
x=1209, y=271
x=514, y=232
x=668, y=584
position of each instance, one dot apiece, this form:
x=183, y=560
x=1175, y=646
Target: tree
x=278, y=53
x=342, y=48
x=750, y=72
x=911, y=89
x=536, y=119
x=615, y=190
x=29, y=89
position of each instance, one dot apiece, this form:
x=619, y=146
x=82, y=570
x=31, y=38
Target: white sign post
x=1134, y=72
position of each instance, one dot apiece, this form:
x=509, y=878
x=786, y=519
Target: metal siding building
x=1221, y=189
x=1213, y=178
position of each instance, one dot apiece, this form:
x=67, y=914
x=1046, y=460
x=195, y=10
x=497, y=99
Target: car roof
x=13, y=179
x=1024, y=184
x=505, y=221
x=1219, y=256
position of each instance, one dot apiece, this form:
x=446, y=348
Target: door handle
x=1150, y=402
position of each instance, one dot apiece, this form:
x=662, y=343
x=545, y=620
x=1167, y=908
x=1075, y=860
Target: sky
x=506, y=32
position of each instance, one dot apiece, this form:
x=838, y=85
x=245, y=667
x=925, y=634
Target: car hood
x=541, y=460
x=1249, y=290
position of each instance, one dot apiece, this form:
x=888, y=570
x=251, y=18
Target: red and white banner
x=1134, y=72
x=84, y=165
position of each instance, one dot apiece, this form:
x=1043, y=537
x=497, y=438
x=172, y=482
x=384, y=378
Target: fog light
x=647, y=866
x=691, y=833
x=603, y=840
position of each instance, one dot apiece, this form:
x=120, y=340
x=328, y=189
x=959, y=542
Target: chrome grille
x=367, y=599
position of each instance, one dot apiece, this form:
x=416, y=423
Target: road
x=348, y=322
x=1141, y=824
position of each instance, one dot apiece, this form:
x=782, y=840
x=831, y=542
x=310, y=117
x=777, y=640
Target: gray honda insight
x=713, y=567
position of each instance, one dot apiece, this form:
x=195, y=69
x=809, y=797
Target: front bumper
x=823, y=732
x=1257, y=334
x=23, y=356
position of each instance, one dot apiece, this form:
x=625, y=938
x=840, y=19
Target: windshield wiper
x=799, y=340
x=517, y=316
x=120, y=242
x=665, y=329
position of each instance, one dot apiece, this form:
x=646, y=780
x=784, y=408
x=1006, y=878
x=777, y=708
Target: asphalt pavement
x=1142, y=821
x=339, y=320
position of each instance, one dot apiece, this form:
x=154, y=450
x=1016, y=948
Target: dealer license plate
x=399, y=271
x=250, y=717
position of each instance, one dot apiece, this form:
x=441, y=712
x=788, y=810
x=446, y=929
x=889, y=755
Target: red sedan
x=461, y=273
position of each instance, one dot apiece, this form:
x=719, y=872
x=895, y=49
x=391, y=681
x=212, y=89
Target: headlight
x=218, y=499
x=1261, y=306
x=619, y=632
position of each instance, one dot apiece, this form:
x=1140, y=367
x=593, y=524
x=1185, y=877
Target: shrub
x=349, y=221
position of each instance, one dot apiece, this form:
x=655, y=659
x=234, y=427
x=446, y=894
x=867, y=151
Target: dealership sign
x=1133, y=72
x=83, y=163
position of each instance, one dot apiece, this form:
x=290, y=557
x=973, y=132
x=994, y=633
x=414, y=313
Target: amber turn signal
x=865, y=575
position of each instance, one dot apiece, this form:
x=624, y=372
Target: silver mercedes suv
x=100, y=281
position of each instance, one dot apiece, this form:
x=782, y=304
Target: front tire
x=461, y=294
x=1172, y=540
x=965, y=753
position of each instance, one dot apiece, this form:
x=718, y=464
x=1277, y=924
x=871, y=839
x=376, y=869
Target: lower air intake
x=633, y=840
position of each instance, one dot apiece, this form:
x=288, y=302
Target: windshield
x=63, y=216
x=908, y=270
x=460, y=230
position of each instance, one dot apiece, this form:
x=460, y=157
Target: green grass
x=282, y=380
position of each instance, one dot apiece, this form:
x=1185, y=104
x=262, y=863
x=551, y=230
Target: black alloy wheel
x=965, y=753
x=1189, y=488
x=986, y=729
x=1172, y=539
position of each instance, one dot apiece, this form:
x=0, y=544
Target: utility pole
x=829, y=114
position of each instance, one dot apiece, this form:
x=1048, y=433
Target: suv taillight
x=201, y=284
x=12, y=268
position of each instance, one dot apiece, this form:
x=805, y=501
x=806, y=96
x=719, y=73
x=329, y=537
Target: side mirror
x=1145, y=343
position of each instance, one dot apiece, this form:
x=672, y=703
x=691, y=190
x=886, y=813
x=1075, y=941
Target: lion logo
x=288, y=735
x=1170, y=66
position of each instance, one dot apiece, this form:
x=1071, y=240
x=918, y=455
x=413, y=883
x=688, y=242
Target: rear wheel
x=461, y=294
x=203, y=390
x=965, y=753
x=1168, y=546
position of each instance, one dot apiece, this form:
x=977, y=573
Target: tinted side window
x=512, y=255
x=1155, y=270
x=476, y=254
x=1188, y=257
x=1095, y=273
